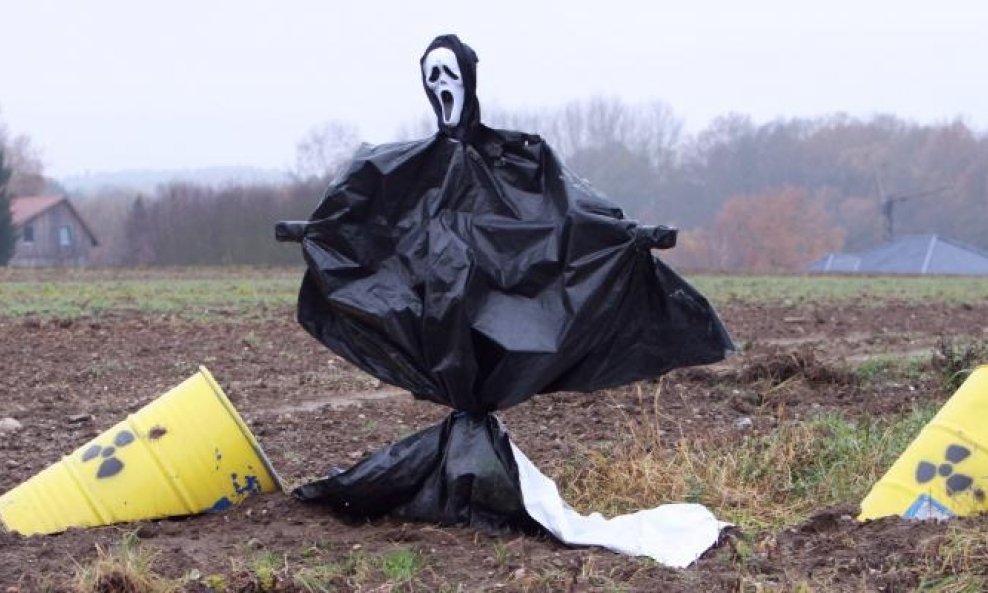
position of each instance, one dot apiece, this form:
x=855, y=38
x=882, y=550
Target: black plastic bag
x=459, y=472
x=474, y=270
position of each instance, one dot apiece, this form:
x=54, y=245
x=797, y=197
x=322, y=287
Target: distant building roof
x=837, y=262
x=26, y=208
x=914, y=254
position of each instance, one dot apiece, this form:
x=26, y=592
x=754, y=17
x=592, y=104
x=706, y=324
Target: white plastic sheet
x=671, y=534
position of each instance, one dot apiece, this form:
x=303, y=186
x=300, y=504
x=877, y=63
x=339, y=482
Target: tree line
x=183, y=224
x=21, y=173
x=777, y=195
x=747, y=196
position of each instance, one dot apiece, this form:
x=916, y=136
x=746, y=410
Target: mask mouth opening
x=446, y=98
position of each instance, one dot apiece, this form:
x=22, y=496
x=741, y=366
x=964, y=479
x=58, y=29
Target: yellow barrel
x=944, y=472
x=187, y=452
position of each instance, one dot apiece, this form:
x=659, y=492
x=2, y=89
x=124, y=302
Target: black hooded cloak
x=474, y=270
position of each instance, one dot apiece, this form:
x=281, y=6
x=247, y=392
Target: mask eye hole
x=434, y=75
x=450, y=73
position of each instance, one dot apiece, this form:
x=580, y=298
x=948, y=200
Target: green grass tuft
x=400, y=566
x=126, y=568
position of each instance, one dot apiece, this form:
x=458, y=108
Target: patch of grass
x=875, y=369
x=400, y=566
x=958, y=561
x=319, y=579
x=358, y=567
x=588, y=576
x=881, y=369
x=260, y=571
x=846, y=457
x=955, y=359
x=750, y=584
x=502, y=554
x=323, y=570
x=876, y=290
x=961, y=583
x=593, y=575
x=202, y=292
x=757, y=480
x=546, y=580
x=127, y=568
x=398, y=569
x=216, y=583
x=266, y=567
x=189, y=293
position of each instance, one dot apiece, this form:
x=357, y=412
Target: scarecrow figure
x=474, y=270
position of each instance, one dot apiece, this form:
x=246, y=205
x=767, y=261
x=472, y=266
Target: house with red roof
x=50, y=233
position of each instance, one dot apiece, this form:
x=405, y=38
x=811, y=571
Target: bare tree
x=325, y=148
x=422, y=127
x=657, y=132
x=106, y=213
x=25, y=164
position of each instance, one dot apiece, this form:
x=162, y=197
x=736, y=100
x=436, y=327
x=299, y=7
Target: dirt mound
x=778, y=365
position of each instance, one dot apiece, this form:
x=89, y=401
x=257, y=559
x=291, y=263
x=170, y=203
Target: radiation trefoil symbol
x=956, y=482
x=110, y=466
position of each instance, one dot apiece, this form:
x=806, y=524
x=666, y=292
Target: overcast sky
x=105, y=85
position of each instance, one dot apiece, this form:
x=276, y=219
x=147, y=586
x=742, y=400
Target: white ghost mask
x=443, y=78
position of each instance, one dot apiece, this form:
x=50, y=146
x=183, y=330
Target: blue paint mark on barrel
x=251, y=485
x=220, y=505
